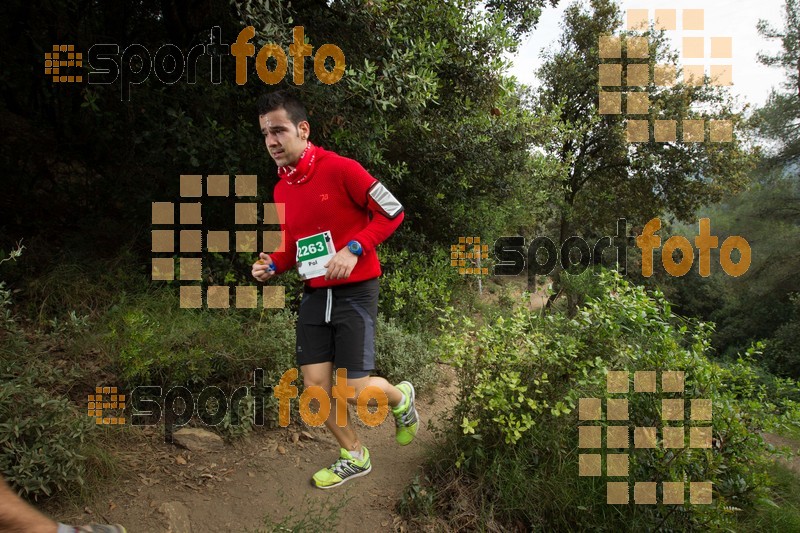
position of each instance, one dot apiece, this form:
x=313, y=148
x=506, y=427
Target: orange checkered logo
x=193, y=241
x=61, y=58
x=624, y=64
x=467, y=255
x=671, y=434
x=103, y=399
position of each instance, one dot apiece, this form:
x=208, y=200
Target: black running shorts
x=337, y=324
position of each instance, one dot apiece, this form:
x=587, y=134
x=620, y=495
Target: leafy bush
x=515, y=432
x=80, y=286
x=506, y=299
x=150, y=340
x=8, y=323
x=155, y=342
x=413, y=287
x=44, y=437
x=782, y=514
x=401, y=355
x=584, y=286
x=44, y=440
x=416, y=499
x=46, y=443
x=781, y=354
x=240, y=426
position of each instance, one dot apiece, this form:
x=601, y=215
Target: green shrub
x=416, y=499
x=414, y=287
x=81, y=286
x=404, y=355
x=781, y=354
x=153, y=341
x=584, y=286
x=516, y=427
x=782, y=512
x=7, y=321
x=44, y=438
x=150, y=340
x=234, y=428
x=506, y=298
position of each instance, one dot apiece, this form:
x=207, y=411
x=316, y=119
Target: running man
x=336, y=214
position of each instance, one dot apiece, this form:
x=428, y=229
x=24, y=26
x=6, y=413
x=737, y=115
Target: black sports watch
x=355, y=248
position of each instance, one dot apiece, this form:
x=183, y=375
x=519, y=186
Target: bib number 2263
x=313, y=253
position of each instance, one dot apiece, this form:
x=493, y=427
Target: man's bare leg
x=321, y=375
x=401, y=400
x=393, y=394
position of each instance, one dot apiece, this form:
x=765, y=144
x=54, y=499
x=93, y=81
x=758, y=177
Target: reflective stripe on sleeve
x=388, y=204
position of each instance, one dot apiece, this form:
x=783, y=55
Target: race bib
x=313, y=253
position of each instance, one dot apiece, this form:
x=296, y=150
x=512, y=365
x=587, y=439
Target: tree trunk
x=563, y=230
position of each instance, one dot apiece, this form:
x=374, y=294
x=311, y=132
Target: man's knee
x=317, y=376
x=373, y=391
x=317, y=381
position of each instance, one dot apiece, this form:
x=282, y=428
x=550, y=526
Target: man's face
x=285, y=141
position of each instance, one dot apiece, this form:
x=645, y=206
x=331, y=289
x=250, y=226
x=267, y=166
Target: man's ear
x=304, y=129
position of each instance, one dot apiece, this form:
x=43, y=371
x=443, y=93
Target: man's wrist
x=355, y=248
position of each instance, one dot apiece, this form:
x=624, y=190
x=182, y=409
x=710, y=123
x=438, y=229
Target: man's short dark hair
x=283, y=99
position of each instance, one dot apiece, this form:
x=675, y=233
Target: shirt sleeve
x=378, y=230
x=369, y=193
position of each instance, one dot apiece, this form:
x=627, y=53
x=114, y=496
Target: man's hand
x=341, y=265
x=261, y=268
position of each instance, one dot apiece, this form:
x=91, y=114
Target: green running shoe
x=406, y=418
x=344, y=469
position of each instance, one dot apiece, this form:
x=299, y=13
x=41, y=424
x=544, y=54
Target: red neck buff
x=302, y=171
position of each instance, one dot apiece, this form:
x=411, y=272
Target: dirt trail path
x=265, y=475
x=793, y=463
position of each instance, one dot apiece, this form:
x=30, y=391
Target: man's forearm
x=16, y=516
x=378, y=230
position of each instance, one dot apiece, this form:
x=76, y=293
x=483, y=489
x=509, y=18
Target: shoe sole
x=345, y=480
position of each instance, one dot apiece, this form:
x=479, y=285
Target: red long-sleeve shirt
x=334, y=198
